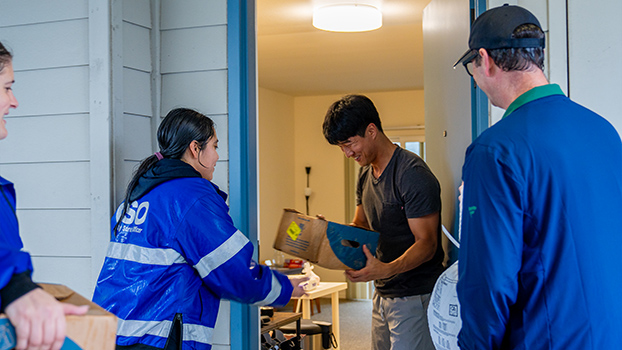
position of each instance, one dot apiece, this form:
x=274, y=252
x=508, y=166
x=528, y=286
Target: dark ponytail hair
x=5, y=56
x=178, y=129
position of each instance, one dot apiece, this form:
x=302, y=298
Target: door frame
x=242, y=128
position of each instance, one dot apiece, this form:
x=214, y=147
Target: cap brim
x=469, y=55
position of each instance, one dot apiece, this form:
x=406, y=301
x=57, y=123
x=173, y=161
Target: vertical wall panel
x=445, y=39
x=136, y=47
x=595, y=48
x=137, y=92
x=222, y=124
x=138, y=12
x=137, y=137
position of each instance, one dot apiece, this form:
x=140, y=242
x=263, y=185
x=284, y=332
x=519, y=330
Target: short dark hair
x=518, y=59
x=5, y=56
x=348, y=117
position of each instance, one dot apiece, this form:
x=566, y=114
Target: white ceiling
x=299, y=60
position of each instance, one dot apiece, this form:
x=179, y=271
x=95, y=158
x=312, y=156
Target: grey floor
x=354, y=319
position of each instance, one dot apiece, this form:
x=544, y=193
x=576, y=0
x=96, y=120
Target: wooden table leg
x=334, y=301
x=306, y=308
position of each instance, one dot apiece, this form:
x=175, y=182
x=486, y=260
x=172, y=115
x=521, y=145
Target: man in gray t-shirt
x=399, y=197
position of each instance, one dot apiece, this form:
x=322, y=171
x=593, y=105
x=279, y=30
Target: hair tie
x=159, y=155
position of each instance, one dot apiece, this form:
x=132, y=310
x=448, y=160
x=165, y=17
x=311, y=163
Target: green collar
x=533, y=94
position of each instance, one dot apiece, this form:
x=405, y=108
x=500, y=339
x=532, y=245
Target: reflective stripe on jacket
x=178, y=252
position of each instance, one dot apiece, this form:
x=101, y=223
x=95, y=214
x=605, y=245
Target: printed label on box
x=293, y=231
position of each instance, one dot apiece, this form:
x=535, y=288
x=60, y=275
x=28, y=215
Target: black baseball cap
x=493, y=30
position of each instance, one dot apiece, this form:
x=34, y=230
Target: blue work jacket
x=13, y=260
x=541, y=230
x=177, y=254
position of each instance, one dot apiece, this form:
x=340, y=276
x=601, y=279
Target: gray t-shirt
x=405, y=190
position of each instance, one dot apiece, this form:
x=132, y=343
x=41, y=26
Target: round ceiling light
x=347, y=18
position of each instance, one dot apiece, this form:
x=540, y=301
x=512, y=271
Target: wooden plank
x=73, y=130
x=193, y=13
x=136, y=92
x=46, y=45
x=136, y=47
x=56, y=232
x=37, y=11
x=52, y=91
x=222, y=124
x=72, y=272
x=137, y=138
x=194, y=49
x=204, y=91
x=50, y=185
x=138, y=12
x=221, y=175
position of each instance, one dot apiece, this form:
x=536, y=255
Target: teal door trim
x=242, y=94
x=479, y=101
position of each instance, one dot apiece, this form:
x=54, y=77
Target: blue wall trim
x=242, y=93
x=479, y=101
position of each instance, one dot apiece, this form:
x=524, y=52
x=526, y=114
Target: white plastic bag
x=444, y=309
x=307, y=271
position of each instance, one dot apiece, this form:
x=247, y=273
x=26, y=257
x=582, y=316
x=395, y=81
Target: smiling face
x=208, y=156
x=7, y=99
x=359, y=148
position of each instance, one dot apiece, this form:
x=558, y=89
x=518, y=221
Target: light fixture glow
x=347, y=18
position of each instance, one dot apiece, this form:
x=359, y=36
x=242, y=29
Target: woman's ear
x=193, y=149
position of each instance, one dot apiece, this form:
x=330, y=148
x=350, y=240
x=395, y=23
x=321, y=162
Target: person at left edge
x=38, y=318
x=175, y=252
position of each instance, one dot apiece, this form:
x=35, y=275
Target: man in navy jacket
x=542, y=199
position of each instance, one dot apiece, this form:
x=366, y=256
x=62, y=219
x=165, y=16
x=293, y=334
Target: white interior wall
x=447, y=97
x=595, y=48
x=276, y=164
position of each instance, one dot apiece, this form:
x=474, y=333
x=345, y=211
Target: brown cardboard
x=306, y=237
x=97, y=330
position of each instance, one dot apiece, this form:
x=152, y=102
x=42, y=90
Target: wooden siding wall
x=194, y=66
x=47, y=153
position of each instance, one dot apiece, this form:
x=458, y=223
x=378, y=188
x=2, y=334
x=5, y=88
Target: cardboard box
x=97, y=330
x=325, y=243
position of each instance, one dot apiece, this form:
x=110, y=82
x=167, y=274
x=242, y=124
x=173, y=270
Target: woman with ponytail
x=175, y=252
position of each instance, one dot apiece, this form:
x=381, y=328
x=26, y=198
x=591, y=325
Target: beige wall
x=304, y=138
x=276, y=164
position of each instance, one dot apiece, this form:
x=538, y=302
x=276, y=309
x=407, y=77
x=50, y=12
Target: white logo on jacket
x=136, y=214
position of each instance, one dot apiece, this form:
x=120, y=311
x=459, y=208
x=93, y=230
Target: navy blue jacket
x=177, y=253
x=15, y=264
x=542, y=230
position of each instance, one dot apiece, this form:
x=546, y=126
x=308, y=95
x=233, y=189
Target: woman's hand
x=298, y=290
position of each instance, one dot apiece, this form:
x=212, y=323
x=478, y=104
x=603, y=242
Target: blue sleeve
x=13, y=261
x=222, y=256
x=490, y=247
